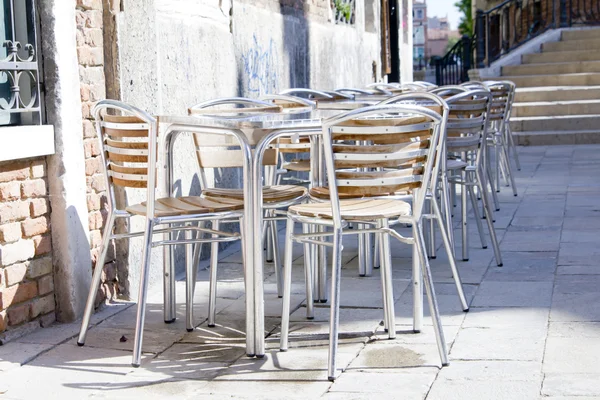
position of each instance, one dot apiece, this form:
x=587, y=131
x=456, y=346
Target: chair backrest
x=218, y=151
x=288, y=101
x=129, y=148
x=447, y=91
x=501, y=99
x=310, y=94
x=384, y=88
x=467, y=120
x=379, y=150
x=354, y=91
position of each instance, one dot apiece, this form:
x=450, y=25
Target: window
x=345, y=11
x=419, y=14
x=19, y=72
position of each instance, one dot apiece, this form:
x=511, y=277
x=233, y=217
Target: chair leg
x=143, y=293
x=464, y=221
x=190, y=282
x=432, y=250
x=268, y=238
x=431, y=297
x=446, y=193
x=417, y=289
x=477, y=216
x=89, y=305
x=322, y=268
x=214, y=265
x=509, y=170
x=386, y=280
x=451, y=260
x=276, y=259
x=489, y=220
x=287, y=285
x=362, y=265
x=512, y=146
x=376, y=259
x=334, y=317
x=490, y=180
x=308, y=278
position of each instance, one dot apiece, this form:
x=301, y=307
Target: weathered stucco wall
x=175, y=53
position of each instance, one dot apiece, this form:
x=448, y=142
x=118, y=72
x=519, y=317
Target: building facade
x=420, y=55
x=159, y=55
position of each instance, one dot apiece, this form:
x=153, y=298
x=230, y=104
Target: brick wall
x=90, y=53
x=26, y=280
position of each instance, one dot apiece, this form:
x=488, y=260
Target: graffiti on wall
x=259, y=65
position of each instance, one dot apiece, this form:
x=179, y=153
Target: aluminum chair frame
x=474, y=175
x=270, y=236
x=337, y=225
x=177, y=223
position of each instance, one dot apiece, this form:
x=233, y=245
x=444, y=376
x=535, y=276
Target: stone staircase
x=558, y=91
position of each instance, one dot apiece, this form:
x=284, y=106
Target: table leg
x=168, y=256
x=254, y=184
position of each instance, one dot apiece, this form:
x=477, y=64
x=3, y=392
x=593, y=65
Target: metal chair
x=499, y=133
x=466, y=133
x=404, y=140
x=444, y=220
x=129, y=153
x=219, y=154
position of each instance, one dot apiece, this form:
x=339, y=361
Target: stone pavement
x=533, y=330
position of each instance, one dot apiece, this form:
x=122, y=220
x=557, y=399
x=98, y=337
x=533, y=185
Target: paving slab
x=569, y=384
x=493, y=390
x=513, y=294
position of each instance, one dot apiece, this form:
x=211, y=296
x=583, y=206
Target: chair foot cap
x=447, y=363
x=170, y=321
x=80, y=344
x=331, y=378
x=500, y=265
x=323, y=301
x=516, y=195
x=362, y=275
x=466, y=310
x=189, y=330
x=211, y=325
x=310, y=318
x=250, y=355
x=484, y=247
x=134, y=365
x=416, y=331
x=259, y=356
x=433, y=257
x=465, y=259
x=280, y=297
x=283, y=350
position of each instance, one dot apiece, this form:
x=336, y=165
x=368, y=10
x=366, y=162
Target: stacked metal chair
x=129, y=154
x=403, y=140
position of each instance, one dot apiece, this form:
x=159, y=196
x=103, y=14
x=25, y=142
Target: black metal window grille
x=20, y=94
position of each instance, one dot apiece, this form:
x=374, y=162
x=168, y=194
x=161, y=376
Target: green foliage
x=466, y=21
x=344, y=9
x=451, y=42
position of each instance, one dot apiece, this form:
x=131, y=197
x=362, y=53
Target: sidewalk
x=533, y=330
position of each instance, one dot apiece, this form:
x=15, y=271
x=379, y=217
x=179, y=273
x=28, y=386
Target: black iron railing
x=454, y=67
x=509, y=25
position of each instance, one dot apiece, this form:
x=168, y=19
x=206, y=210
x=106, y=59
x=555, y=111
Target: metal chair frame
x=176, y=223
x=272, y=209
x=337, y=225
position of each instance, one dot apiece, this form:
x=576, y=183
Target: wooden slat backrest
x=500, y=100
x=219, y=151
x=381, y=156
x=125, y=145
x=467, y=117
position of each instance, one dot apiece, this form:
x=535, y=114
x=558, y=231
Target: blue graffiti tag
x=260, y=68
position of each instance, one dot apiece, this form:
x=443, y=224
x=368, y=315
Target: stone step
x=545, y=138
x=580, y=34
x=557, y=93
x=581, y=79
x=572, y=45
x=572, y=67
x=560, y=56
x=555, y=123
x=554, y=108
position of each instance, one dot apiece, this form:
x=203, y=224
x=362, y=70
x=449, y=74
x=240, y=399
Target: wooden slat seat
x=171, y=206
x=356, y=209
x=297, y=165
x=455, y=164
x=271, y=194
x=322, y=193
